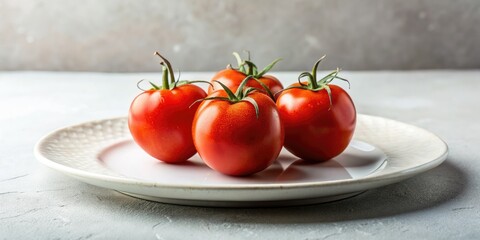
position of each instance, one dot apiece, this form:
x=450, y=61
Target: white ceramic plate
x=102, y=153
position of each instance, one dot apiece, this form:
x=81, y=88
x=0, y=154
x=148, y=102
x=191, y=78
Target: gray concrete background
x=120, y=36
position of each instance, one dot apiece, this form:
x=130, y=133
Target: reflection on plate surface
x=359, y=160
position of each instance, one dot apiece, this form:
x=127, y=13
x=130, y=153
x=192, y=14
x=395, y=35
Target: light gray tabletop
x=39, y=203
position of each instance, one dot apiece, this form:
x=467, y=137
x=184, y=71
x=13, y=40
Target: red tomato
x=233, y=77
x=160, y=121
x=232, y=140
x=315, y=128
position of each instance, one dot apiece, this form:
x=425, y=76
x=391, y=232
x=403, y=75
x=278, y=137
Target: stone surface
x=39, y=203
x=112, y=35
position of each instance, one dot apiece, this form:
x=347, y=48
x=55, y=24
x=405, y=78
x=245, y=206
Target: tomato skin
x=314, y=130
x=230, y=138
x=232, y=79
x=160, y=122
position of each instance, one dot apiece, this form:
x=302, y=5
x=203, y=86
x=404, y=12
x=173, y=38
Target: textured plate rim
x=374, y=177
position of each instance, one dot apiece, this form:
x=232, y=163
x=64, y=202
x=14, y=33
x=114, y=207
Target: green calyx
x=241, y=95
x=249, y=68
x=314, y=84
x=168, y=78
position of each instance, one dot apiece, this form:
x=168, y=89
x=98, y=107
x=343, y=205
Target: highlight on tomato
x=232, y=77
x=160, y=119
x=319, y=117
x=238, y=133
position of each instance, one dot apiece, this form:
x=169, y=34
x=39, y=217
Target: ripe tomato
x=232, y=78
x=240, y=134
x=160, y=119
x=319, y=117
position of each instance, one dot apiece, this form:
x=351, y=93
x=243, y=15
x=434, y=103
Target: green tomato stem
x=313, y=80
x=241, y=65
x=165, y=84
x=169, y=67
x=319, y=85
x=251, y=68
